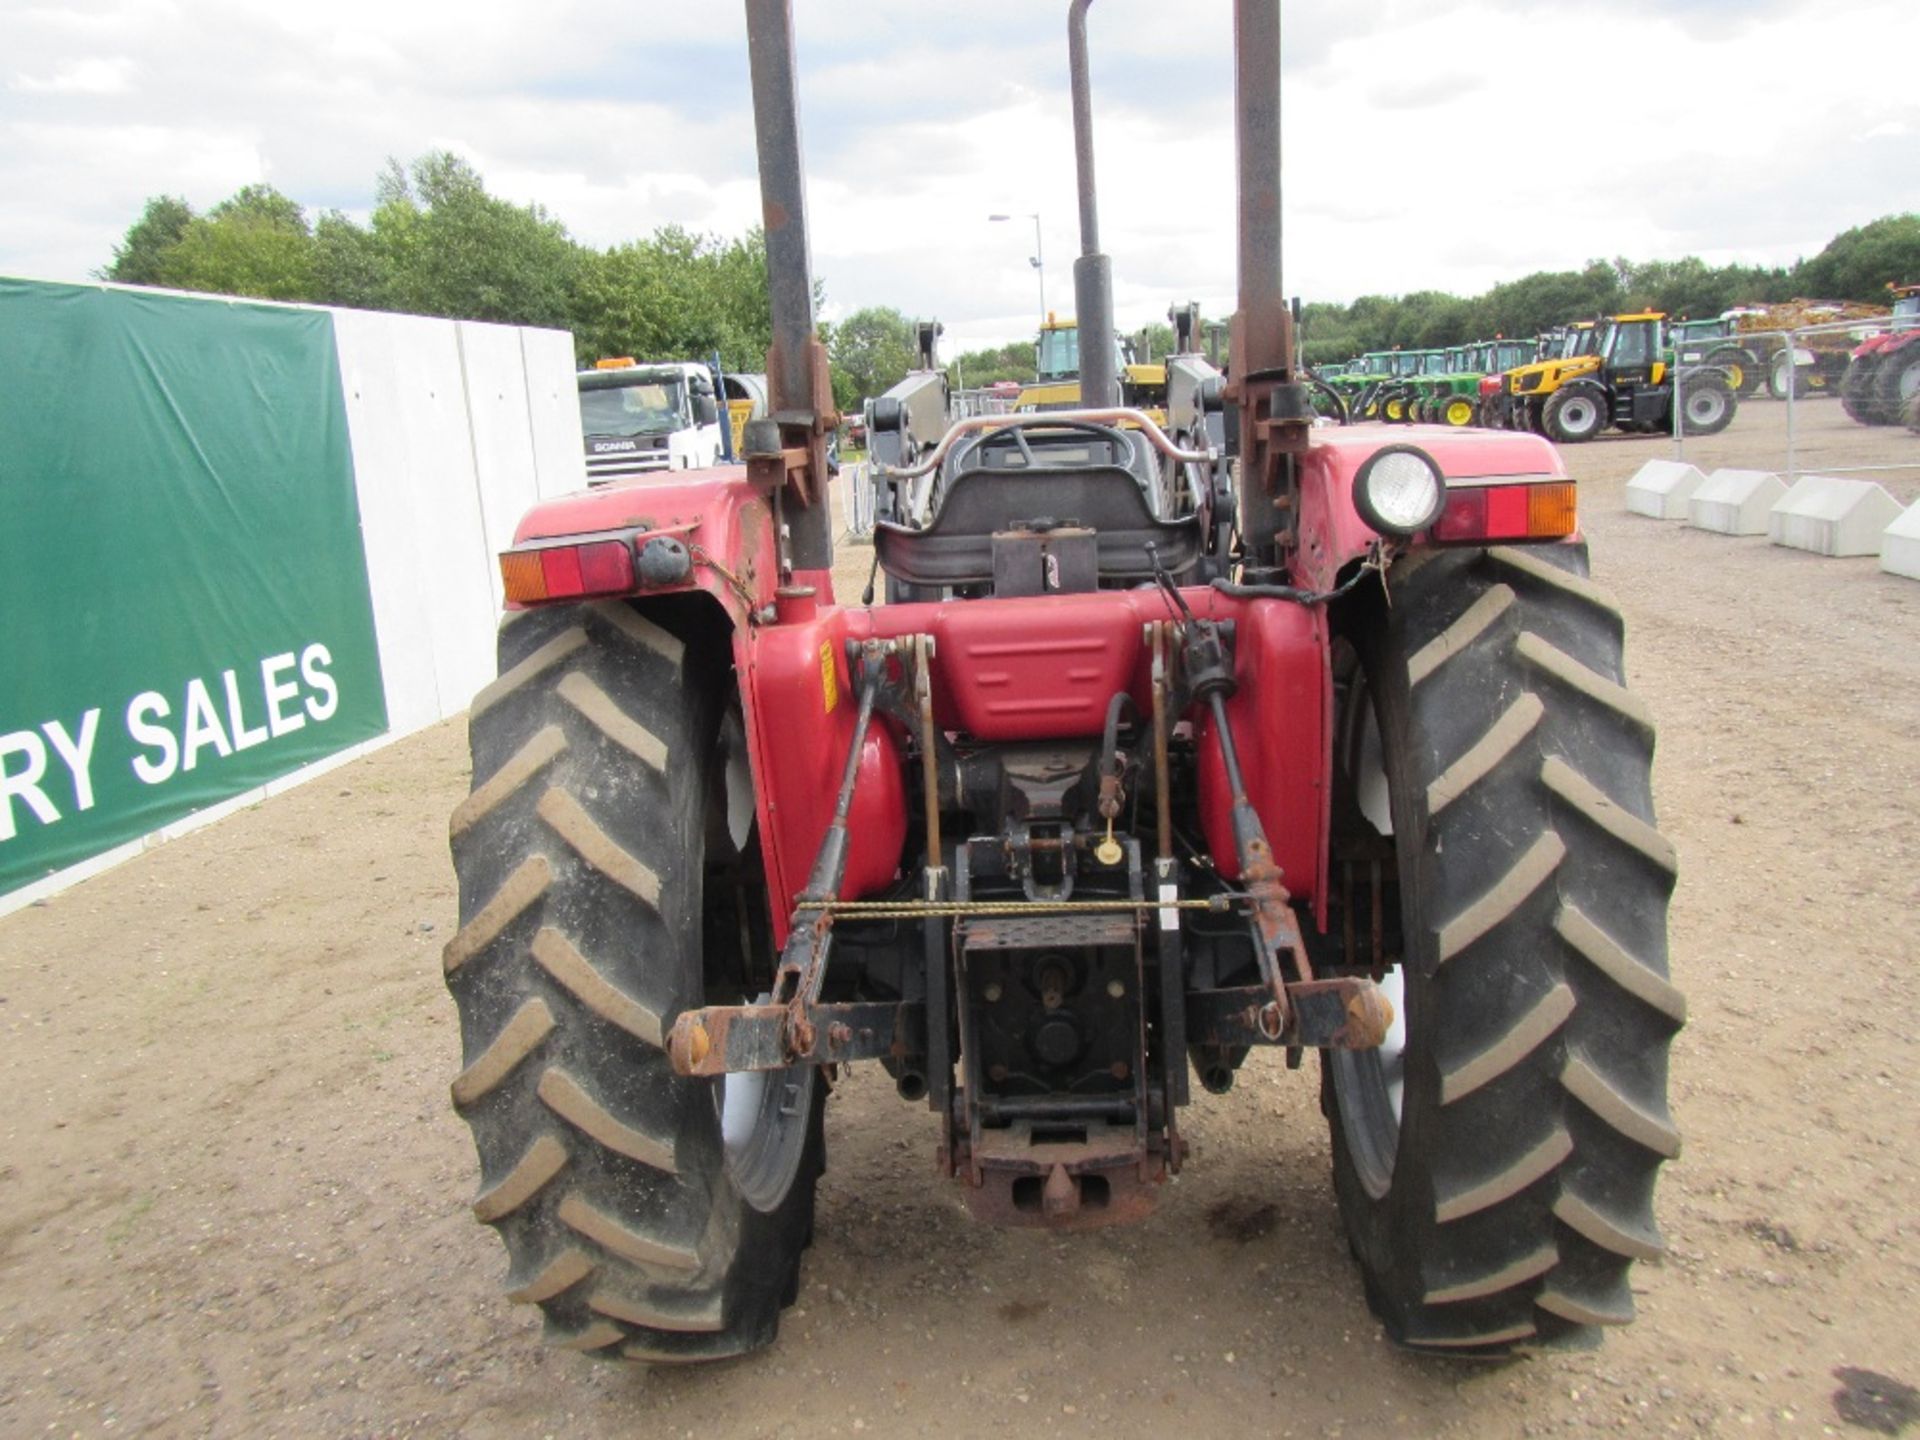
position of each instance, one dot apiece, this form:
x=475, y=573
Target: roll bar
x=1109, y=415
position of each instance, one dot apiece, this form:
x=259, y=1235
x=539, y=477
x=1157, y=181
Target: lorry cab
x=644, y=419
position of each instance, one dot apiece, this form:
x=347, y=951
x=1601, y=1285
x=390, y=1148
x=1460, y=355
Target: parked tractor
x=1450, y=396
x=1252, y=737
x=1882, y=382
x=1056, y=383
x=1360, y=385
x=1571, y=352
x=1491, y=392
x=1632, y=388
x=1398, y=395
x=1726, y=342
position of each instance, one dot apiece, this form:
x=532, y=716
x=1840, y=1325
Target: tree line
x=1857, y=264
x=438, y=243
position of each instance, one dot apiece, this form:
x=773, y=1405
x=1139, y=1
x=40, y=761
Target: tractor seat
x=1078, y=494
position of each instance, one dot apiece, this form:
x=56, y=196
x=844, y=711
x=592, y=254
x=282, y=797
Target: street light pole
x=1038, y=259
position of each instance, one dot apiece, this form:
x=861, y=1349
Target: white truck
x=648, y=419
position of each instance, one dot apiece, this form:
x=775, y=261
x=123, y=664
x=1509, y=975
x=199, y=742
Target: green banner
x=182, y=582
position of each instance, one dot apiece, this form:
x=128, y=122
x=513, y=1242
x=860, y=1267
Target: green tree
x=675, y=295
x=450, y=248
x=349, y=267
x=976, y=369
x=137, y=259
x=871, y=349
x=256, y=242
x=1860, y=263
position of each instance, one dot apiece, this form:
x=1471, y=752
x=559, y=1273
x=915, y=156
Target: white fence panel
x=427, y=558
x=495, y=369
x=553, y=405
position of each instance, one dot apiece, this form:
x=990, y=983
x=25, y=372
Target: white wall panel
x=502, y=433
x=427, y=557
x=553, y=407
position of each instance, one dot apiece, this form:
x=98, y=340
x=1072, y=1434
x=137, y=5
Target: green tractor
x=1451, y=397
x=1362, y=382
x=1398, y=395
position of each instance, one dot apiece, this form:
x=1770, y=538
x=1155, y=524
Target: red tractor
x=1176, y=746
x=1882, y=383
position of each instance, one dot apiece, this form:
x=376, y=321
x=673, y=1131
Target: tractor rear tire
x=1707, y=403
x=1896, y=382
x=1574, y=413
x=1858, y=391
x=609, y=776
x=1502, y=1200
x=1456, y=411
x=1785, y=378
x=1744, y=374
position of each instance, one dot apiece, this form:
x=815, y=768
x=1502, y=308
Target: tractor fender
x=1333, y=536
x=789, y=653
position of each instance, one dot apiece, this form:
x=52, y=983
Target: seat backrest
x=975, y=505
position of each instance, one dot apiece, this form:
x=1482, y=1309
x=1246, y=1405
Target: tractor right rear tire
x=1896, y=383
x=604, y=859
x=1500, y=1197
x=1574, y=413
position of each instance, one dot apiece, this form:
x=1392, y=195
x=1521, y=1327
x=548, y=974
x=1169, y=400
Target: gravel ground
x=233, y=1196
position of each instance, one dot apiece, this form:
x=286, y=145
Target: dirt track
x=233, y=1194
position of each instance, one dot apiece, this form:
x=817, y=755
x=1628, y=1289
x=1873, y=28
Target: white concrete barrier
x=1735, y=502
x=1832, y=516
x=1662, y=488
x=1900, y=544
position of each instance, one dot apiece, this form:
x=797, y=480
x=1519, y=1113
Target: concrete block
x=1662, y=488
x=1832, y=516
x=1735, y=502
x=1900, y=544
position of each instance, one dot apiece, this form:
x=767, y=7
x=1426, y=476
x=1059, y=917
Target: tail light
x=567, y=571
x=1530, y=510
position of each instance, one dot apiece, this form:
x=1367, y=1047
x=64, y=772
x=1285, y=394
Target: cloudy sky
x=1445, y=145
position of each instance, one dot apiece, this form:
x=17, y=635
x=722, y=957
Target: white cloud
x=100, y=75
x=1426, y=147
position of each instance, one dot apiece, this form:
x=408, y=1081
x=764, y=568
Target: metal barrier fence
x=1799, y=365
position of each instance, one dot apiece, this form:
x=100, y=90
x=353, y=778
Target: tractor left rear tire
x=650, y=1216
x=1501, y=1199
x=1857, y=391
x=1457, y=411
x=1708, y=405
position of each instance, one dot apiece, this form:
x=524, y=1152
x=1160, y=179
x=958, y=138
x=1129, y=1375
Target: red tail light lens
x=1478, y=513
x=567, y=572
